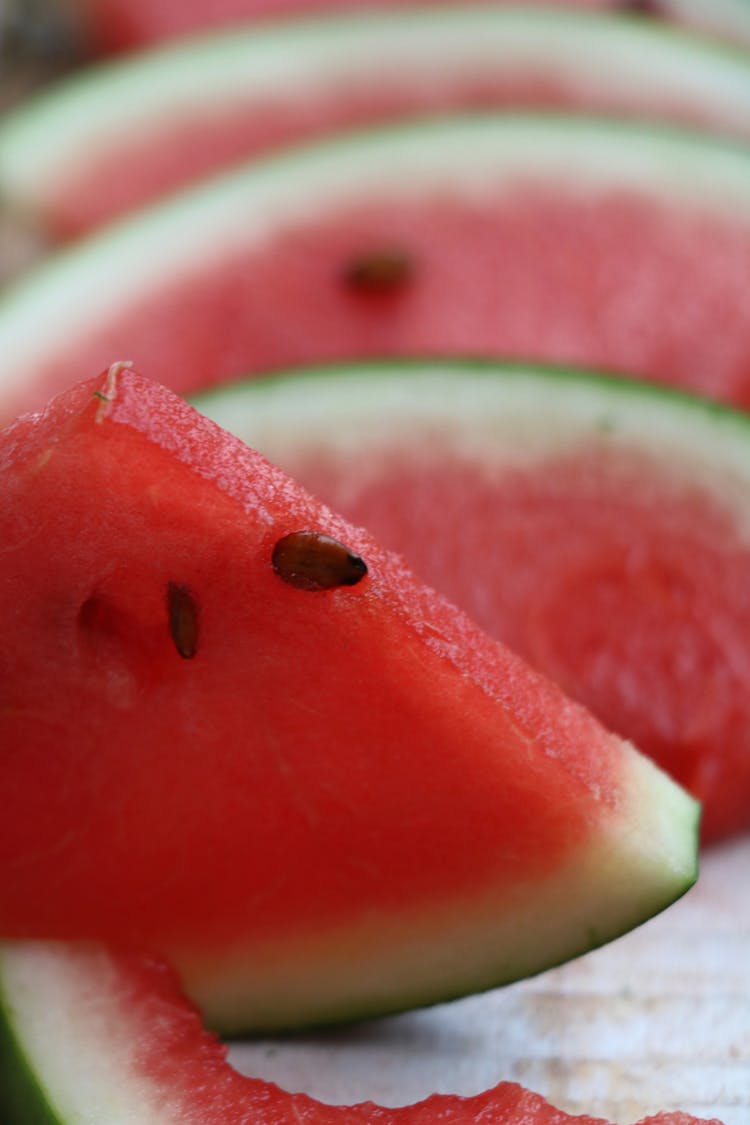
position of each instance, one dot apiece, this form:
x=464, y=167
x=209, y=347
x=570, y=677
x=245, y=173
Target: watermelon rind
x=75, y=293
x=55, y=1022
x=23, y=1101
x=633, y=65
x=509, y=412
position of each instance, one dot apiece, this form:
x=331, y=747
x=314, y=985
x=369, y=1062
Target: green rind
x=22, y=1098
x=98, y=103
x=609, y=383
x=229, y=1026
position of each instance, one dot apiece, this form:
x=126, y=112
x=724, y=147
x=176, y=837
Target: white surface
x=658, y=1020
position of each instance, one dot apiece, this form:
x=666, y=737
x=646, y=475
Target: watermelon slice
x=90, y=1035
x=583, y=241
x=111, y=138
x=121, y=24
x=323, y=793
x=612, y=520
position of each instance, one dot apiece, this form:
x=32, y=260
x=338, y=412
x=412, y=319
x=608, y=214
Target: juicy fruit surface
x=89, y=1034
x=370, y=732
x=625, y=249
x=609, y=544
x=140, y=128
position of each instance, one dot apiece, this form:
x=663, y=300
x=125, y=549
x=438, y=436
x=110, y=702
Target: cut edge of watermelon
x=65, y=123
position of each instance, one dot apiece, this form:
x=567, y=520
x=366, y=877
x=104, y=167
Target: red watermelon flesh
x=290, y=791
x=112, y=139
x=580, y=241
x=96, y=1035
x=608, y=545
x=659, y=654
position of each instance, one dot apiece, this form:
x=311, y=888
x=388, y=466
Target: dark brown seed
x=382, y=271
x=639, y=7
x=183, y=613
x=310, y=560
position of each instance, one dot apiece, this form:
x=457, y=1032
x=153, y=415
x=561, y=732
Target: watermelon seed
x=379, y=272
x=309, y=560
x=640, y=7
x=183, y=612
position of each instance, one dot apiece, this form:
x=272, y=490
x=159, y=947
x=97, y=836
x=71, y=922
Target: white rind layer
x=642, y=63
x=69, y=1022
x=473, y=157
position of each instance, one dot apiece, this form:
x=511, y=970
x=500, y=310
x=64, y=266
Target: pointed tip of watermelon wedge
x=322, y=803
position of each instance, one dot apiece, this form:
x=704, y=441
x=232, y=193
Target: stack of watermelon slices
x=595, y=241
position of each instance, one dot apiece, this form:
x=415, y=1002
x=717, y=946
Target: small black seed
x=310, y=560
x=640, y=7
x=183, y=613
x=379, y=272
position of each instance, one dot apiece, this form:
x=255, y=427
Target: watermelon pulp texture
x=108, y=140
x=115, y=25
x=88, y=1034
x=340, y=801
x=618, y=247
x=598, y=527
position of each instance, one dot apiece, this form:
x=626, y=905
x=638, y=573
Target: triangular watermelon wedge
x=91, y=1035
x=612, y=245
x=113, y=137
x=321, y=803
x=611, y=518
